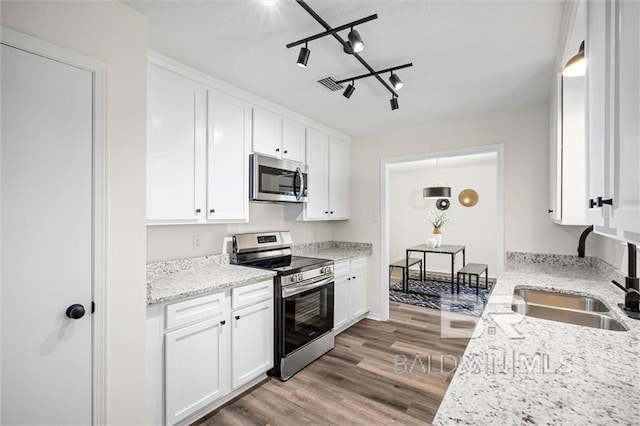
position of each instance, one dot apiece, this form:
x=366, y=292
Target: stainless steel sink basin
x=566, y=308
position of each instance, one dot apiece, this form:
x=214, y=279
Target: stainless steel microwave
x=275, y=180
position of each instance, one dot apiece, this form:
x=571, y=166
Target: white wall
x=474, y=227
x=524, y=132
x=176, y=241
x=114, y=34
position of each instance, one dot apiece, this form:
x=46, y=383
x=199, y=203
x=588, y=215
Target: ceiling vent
x=330, y=83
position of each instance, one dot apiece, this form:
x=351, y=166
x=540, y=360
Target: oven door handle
x=292, y=290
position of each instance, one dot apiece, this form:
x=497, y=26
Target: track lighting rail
x=347, y=47
x=333, y=30
x=371, y=74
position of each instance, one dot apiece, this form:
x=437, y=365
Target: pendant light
x=577, y=65
x=436, y=190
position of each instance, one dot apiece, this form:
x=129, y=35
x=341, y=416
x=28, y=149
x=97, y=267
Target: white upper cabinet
x=293, y=141
x=318, y=178
x=328, y=178
x=568, y=139
x=195, y=175
x=227, y=158
x=278, y=137
x=176, y=143
x=613, y=74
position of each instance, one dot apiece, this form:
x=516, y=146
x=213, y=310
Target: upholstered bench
x=473, y=269
x=402, y=264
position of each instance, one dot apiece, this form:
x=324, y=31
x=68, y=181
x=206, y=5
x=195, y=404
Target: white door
x=252, y=342
x=317, y=160
x=358, y=294
x=46, y=240
x=228, y=158
x=338, y=179
x=267, y=133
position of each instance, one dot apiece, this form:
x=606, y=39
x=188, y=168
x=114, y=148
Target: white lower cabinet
x=252, y=342
x=212, y=352
x=350, y=293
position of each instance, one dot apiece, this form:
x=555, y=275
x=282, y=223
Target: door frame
x=98, y=70
x=385, y=164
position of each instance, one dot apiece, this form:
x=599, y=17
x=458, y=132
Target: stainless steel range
x=303, y=299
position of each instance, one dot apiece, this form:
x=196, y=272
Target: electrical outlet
x=196, y=241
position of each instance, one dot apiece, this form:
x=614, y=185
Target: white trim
x=385, y=164
x=374, y=317
x=100, y=209
x=167, y=63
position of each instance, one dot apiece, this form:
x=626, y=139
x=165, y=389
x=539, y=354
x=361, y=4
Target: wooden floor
x=365, y=380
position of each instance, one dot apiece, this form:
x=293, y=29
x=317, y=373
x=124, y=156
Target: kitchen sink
x=567, y=308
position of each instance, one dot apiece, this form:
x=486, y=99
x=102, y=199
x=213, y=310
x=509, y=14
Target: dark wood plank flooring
x=364, y=380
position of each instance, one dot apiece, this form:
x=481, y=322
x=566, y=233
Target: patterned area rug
x=436, y=293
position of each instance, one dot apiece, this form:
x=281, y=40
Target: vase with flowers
x=438, y=219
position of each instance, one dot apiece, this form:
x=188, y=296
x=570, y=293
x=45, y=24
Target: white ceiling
x=468, y=56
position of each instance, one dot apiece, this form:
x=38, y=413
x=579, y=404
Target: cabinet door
x=318, y=162
x=195, y=367
x=341, y=302
x=252, y=342
x=339, y=152
x=175, y=151
x=228, y=158
x=555, y=150
x=358, y=294
x=625, y=150
x=597, y=46
x=267, y=133
x=293, y=141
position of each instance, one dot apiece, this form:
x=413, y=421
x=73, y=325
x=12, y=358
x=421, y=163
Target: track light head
x=349, y=90
x=394, y=103
x=303, y=56
x=395, y=81
x=355, y=41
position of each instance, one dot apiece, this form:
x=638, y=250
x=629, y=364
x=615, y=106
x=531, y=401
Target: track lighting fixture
x=395, y=81
x=349, y=90
x=303, y=56
x=394, y=103
x=353, y=45
x=577, y=65
x=355, y=41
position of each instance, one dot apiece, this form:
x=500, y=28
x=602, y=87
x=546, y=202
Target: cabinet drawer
x=359, y=264
x=252, y=293
x=341, y=269
x=187, y=312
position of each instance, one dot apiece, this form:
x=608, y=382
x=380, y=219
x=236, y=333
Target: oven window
x=308, y=316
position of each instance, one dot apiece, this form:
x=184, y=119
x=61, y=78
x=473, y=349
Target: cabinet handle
x=223, y=322
x=348, y=279
x=285, y=151
x=237, y=317
x=592, y=203
x=326, y=212
x=550, y=211
x=354, y=278
x=198, y=210
x=331, y=212
x=212, y=211
x=277, y=149
x=609, y=201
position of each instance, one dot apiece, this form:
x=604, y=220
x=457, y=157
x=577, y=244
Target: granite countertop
x=179, y=279
x=523, y=370
x=338, y=251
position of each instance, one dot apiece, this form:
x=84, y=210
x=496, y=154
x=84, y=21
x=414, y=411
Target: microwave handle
x=301, y=190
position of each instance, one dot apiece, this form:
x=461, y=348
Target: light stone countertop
x=166, y=287
x=338, y=251
x=522, y=370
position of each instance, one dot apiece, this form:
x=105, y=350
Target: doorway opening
x=404, y=212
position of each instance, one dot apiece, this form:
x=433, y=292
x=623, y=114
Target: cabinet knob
x=277, y=149
x=348, y=279
x=326, y=212
x=550, y=211
x=212, y=211
x=223, y=322
x=609, y=201
x=353, y=278
x=75, y=311
x=198, y=210
x=592, y=203
x=330, y=212
x=237, y=317
x=285, y=151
